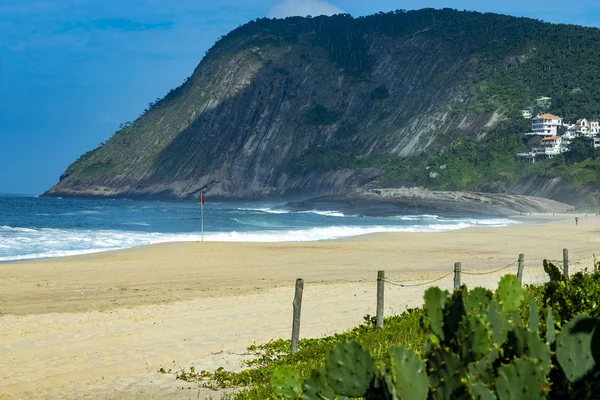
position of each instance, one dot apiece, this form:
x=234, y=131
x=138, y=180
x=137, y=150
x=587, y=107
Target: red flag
x=202, y=197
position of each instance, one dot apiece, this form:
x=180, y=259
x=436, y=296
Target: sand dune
x=100, y=326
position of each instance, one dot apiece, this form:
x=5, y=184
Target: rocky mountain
x=328, y=105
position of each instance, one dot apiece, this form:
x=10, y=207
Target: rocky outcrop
x=417, y=201
x=554, y=188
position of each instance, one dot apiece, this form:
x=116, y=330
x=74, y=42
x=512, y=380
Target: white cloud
x=302, y=8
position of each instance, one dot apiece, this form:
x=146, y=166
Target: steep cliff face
x=273, y=90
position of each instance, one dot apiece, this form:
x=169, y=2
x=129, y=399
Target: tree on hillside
x=580, y=149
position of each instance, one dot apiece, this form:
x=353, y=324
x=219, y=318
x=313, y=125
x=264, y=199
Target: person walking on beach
x=576, y=220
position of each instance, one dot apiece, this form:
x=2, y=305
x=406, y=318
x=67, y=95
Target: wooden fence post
x=521, y=267
x=566, y=262
x=457, y=269
x=297, y=308
x=380, y=299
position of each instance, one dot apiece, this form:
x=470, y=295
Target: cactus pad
x=435, y=300
x=286, y=382
x=534, y=318
x=473, y=338
x=454, y=312
x=574, y=347
x=522, y=343
x=408, y=374
x=350, y=369
x=481, y=392
x=509, y=293
x=483, y=369
x=522, y=379
x=316, y=387
x=498, y=322
x=477, y=300
x=447, y=375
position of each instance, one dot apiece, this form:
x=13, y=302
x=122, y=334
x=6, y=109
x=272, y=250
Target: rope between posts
x=418, y=284
x=448, y=274
x=489, y=272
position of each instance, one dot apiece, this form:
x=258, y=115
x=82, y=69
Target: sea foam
x=26, y=243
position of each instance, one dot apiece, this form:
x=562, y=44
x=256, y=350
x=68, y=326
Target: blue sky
x=72, y=70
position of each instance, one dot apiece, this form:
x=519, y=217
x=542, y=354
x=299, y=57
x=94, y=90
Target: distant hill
x=325, y=105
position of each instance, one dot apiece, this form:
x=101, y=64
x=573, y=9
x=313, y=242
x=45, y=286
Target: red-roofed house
x=545, y=125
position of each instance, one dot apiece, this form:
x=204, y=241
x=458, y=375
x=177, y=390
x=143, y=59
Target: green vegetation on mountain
x=428, y=97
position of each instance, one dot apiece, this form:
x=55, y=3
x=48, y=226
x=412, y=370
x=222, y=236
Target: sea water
x=32, y=227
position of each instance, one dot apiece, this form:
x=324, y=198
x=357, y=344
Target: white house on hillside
x=549, y=146
x=583, y=127
x=552, y=142
x=545, y=125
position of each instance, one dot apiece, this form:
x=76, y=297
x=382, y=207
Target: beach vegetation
x=543, y=340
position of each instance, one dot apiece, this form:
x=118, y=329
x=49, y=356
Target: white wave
x=266, y=210
x=83, y=212
x=283, y=211
x=325, y=213
x=26, y=243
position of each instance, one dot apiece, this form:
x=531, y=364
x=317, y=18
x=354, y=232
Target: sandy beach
x=100, y=326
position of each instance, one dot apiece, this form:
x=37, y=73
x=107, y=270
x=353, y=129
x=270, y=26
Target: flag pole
x=202, y=214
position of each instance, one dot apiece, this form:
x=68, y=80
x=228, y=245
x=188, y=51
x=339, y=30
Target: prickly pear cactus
x=286, y=382
x=574, y=350
x=316, y=387
x=435, y=300
x=447, y=375
x=350, y=369
x=477, y=300
x=482, y=370
x=522, y=379
x=473, y=338
x=498, y=322
x=509, y=293
x=534, y=318
x=479, y=391
x=408, y=374
x=522, y=343
x=453, y=313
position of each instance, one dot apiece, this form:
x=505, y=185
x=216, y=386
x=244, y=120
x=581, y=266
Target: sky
x=72, y=70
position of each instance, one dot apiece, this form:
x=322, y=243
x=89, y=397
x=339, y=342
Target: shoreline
x=200, y=263
x=516, y=219
x=101, y=325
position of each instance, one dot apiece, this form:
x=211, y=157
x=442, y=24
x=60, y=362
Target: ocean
x=32, y=227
